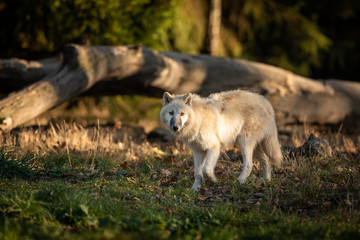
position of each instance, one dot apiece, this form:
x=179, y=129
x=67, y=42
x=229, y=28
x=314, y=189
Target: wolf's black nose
x=175, y=128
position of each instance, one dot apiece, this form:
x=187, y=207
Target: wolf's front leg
x=199, y=160
x=212, y=157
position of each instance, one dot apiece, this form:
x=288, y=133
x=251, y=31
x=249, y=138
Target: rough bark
x=81, y=68
x=114, y=70
x=214, y=27
x=16, y=73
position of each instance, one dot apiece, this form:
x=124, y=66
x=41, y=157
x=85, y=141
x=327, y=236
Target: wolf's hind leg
x=199, y=161
x=261, y=156
x=247, y=149
x=212, y=157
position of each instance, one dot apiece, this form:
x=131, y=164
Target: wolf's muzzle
x=175, y=124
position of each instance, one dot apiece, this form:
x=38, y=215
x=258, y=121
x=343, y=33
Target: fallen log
x=103, y=70
x=80, y=69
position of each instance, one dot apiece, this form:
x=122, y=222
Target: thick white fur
x=223, y=119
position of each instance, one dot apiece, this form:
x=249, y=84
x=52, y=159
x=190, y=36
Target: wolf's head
x=176, y=111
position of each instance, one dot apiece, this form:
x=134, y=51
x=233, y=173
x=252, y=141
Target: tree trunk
x=214, y=27
x=134, y=70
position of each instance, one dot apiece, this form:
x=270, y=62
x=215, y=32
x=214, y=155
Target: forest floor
x=66, y=181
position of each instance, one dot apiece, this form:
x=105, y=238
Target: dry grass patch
x=66, y=181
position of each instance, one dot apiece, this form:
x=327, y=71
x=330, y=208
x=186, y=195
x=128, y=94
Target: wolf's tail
x=272, y=148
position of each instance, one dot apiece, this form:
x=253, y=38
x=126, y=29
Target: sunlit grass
x=70, y=182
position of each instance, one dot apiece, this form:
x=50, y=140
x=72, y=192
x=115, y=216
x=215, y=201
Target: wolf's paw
x=241, y=180
x=197, y=184
x=195, y=187
x=212, y=178
x=267, y=177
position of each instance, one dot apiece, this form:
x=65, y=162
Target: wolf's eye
x=171, y=113
x=182, y=114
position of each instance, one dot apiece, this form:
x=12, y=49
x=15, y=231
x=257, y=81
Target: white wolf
x=222, y=119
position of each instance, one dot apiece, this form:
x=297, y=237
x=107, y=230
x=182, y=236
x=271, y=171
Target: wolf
x=228, y=118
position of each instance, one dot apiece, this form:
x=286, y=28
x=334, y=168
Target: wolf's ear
x=187, y=99
x=167, y=98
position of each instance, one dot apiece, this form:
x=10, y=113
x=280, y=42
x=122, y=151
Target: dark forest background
x=318, y=39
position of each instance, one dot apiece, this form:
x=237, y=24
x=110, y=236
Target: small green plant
x=24, y=207
x=11, y=167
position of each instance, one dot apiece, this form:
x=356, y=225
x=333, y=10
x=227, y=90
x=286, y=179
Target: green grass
x=102, y=197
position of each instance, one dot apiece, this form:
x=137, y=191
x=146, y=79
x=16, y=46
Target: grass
x=68, y=182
